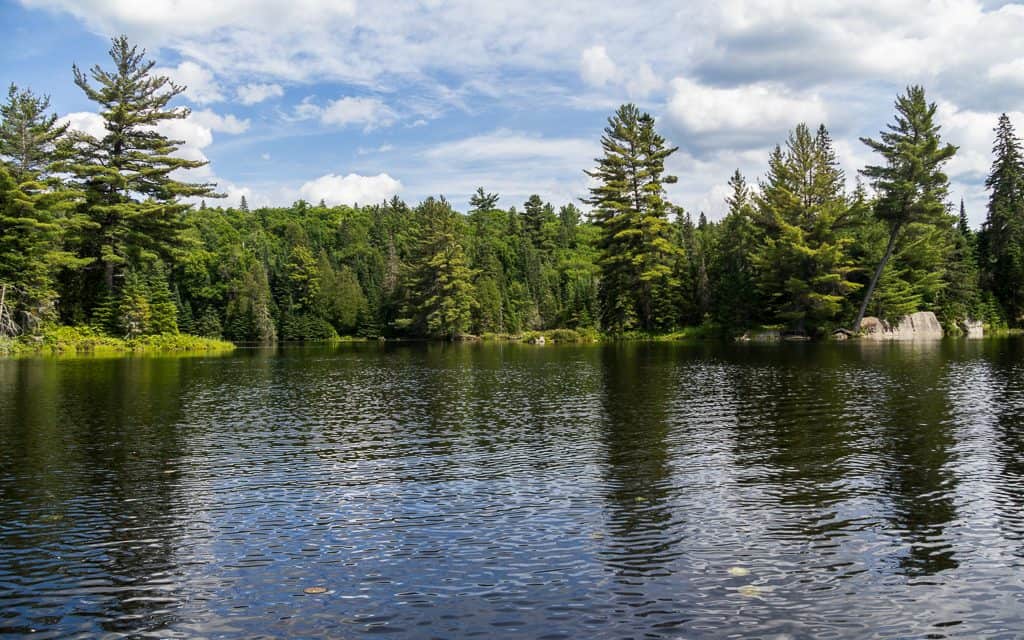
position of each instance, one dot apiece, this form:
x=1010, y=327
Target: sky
x=353, y=101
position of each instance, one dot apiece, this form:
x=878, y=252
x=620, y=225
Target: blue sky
x=354, y=101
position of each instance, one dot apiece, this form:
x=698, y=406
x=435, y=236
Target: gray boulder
x=972, y=328
x=922, y=325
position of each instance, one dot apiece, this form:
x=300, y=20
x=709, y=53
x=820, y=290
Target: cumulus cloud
x=216, y=122
x=745, y=72
x=200, y=84
x=371, y=113
x=350, y=189
x=596, y=67
x=254, y=93
x=743, y=113
x=85, y=122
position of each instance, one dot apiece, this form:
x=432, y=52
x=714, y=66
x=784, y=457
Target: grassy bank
x=86, y=341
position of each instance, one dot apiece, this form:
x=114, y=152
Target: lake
x=495, y=491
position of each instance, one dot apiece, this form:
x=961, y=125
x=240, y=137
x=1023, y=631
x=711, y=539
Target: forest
x=109, y=233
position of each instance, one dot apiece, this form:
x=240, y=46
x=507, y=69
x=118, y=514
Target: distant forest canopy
x=105, y=232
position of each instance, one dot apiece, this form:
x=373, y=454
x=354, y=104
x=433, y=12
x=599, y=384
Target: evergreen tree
x=483, y=201
x=803, y=263
x=29, y=135
x=911, y=184
x=1003, y=232
x=734, y=290
x=126, y=175
x=439, y=281
x=636, y=251
x=36, y=210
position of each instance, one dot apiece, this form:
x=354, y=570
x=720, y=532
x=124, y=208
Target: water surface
x=493, y=491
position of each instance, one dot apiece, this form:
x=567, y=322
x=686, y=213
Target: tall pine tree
x=126, y=175
x=1002, y=237
x=630, y=209
x=911, y=185
x=803, y=264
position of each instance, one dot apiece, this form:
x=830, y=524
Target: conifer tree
x=734, y=289
x=126, y=175
x=911, y=184
x=1003, y=232
x=37, y=215
x=29, y=135
x=803, y=263
x=439, y=281
x=630, y=209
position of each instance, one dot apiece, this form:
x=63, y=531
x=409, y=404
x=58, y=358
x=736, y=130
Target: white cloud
x=741, y=111
x=511, y=145
x=86, y=122
x=350, y=189
x=746, y=70
x=643, y=82
x=371, y=113
x=596, y=67
x=216, y=122
x=200, y=84
x=255, y=93
x=1011, y=72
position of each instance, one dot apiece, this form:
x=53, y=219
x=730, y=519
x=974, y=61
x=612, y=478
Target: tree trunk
x=893, y=234
x=108, y=276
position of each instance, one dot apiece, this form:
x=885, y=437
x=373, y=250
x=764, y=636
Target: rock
x=922, y=325
x=537, y=340
x=842, y=334
x=972, y=328
x=771, y=335
x=466, y=337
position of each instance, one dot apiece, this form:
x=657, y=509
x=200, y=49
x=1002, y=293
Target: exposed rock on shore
x=922, y=325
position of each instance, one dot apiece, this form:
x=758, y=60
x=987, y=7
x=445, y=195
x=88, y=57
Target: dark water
x=645, y=491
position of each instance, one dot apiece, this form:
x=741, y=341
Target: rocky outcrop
x=972, y=328
x=922, y=325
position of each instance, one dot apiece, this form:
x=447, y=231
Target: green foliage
x=911, y=184
x=637, y=251
x=130, y=197
x=438, y=284
x=803, y=261
x=1002, y=237
x=99, y=231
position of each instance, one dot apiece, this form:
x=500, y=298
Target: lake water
x=498, y=491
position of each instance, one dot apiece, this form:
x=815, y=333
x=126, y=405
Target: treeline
x=102, y=232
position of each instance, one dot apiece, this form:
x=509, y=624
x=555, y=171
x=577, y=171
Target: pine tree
x=483, y=201
x=637, y=253
x=243, y=205
x=439, y=280
x=803, y=263
x=734, y=289
x=911, y=184
x=36, y=209
x=29, y=135
x=1003, y=232
x=126, y=175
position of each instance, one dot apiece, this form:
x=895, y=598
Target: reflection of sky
x=585, y=491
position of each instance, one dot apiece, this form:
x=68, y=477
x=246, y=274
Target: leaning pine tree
x=911, y=184
x=631, y=212
x=126, y=174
